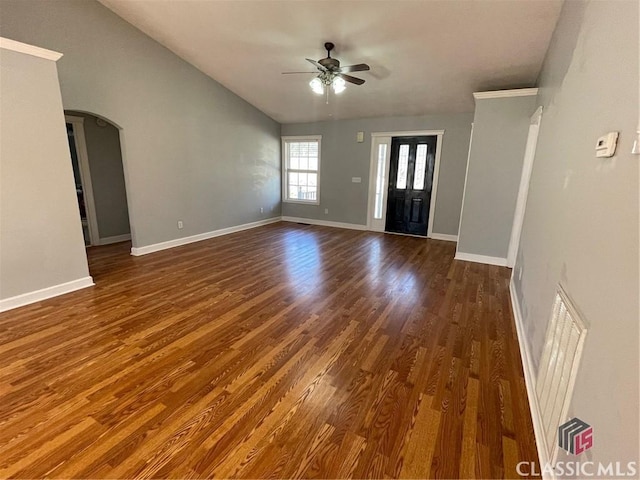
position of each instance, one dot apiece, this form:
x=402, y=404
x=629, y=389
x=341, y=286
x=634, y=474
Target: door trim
x=79, y=138
x=372, y=173
x=410, y=133
x=523, y=190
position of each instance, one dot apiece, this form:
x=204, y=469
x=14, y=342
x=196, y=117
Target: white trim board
x=325, y=223
x=529, y=381
x=464, y=189
x=413, y=133
x=472, y=257
x=356, y=226
x=444, y=236
x=400, y=234
x=434, y=184
x=44, y=293
x=114, y=239
x=518, y=92
x=14, y=46
x=523, y=189
x=156, y=247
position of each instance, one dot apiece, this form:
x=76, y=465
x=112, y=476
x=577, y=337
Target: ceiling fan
x=332, y=74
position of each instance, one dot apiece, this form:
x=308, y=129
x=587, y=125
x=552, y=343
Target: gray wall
x=107, y=176
x=192, y=150
x=581, y=221
x=343, y=158
x=500, y=129
x=41, y=241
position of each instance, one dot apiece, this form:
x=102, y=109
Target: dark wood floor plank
x=287, y=351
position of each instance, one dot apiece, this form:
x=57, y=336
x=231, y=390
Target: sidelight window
x=382, y=156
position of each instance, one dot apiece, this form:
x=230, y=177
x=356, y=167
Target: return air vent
x=558, y=368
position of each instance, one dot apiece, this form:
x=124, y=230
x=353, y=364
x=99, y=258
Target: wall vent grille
x=558, y=368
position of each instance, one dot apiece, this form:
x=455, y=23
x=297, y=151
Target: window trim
x=285, y=166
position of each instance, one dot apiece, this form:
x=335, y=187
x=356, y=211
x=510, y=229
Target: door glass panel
x=421, y=164
x=403, y=167
x=382, y=154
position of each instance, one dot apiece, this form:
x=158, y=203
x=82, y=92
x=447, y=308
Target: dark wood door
x=410, y=184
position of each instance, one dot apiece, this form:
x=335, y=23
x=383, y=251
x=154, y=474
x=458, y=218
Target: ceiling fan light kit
x=319, y=83
x=331, y=75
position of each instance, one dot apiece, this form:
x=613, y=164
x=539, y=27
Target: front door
x=410, y=183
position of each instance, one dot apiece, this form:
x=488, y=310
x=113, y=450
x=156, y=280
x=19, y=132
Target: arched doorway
x=96, y=156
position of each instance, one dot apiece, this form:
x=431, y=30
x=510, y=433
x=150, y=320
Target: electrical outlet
x=326, y=211
x=261, y=210
x=180, y=225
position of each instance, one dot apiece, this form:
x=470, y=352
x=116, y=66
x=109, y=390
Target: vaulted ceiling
x=426, y=56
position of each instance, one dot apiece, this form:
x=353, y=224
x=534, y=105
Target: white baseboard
x=156, y=247
x=44, y=293
x=114, y=239
x=401, y=234
x=325, y=223
x=444, y=236
x=471, y=257
x=530, y=382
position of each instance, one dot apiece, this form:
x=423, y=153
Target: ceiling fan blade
x=361, y=67
x=350, y=79
x=317, y=65
x=291, y=73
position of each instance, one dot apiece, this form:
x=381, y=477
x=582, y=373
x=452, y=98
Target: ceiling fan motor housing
x=330, y=63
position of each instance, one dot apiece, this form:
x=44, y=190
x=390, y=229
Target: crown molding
x=8, y=44
x=518, y=92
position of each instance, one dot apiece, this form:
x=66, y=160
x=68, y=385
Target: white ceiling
x=426, y=56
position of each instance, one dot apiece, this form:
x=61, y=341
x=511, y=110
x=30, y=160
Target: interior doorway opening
x=96, y=157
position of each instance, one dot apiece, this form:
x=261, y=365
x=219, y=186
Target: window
x=301, y=169
x=382, y=156
x=421, y=166
x=403, y=167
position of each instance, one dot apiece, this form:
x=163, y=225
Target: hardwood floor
x=279, y=352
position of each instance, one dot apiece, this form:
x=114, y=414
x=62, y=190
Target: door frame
x=385, y=137
x=77, y=123
x=523, y=190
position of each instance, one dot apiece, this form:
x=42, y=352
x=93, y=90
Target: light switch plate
x=356, y=179
x=606, y=146
x=360, y=137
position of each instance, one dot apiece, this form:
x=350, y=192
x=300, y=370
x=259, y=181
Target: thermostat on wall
x=606, y=145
